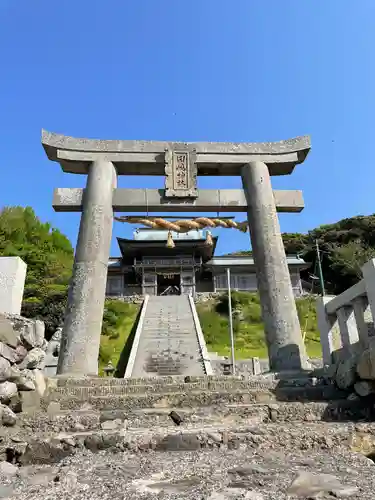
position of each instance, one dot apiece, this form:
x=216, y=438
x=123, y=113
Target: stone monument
x=12, y=283
x=102, y=161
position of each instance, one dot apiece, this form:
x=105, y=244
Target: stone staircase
x=168, y=342
x=212, y=412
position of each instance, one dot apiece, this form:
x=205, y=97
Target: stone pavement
x=251, y=472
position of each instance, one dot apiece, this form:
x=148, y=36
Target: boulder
x=7, y=334
x=346, y=374
x=364, y=388
x=7, y=416
x=40, y=382
x=29, y=401
x=25, y=384
x=8, y=470
x=21, y=353
x=5, y=369
x=310, y=485
x=34, y=359
x=366, y=364
x=8, y=353
x=32, y=334
x=7, y=391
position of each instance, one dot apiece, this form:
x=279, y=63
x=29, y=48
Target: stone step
x=191, y=398
x=231, y=414
x=46, y=447
x=62, y=381
x=168, y=387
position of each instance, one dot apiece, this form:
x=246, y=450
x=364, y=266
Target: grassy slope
x=118, y=322
x=119, y=319
x=248, y=326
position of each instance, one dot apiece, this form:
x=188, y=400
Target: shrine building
x=148, y=267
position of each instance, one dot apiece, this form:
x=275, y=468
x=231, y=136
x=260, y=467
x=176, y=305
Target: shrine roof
x=244, y=260
x=131, y=248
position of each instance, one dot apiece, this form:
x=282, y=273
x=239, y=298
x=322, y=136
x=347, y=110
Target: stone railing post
x=368, y=271
x=328, y=329
x=286, y=349
x=360, y=308
x=348, y=327
x=83, y=320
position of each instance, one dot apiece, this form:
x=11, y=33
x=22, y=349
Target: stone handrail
x=346, y=320
x=134, y=349
x=201, y=341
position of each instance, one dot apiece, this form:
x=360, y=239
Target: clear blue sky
x=191, y=70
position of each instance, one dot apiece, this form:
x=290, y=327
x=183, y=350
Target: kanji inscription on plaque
x=180, y=173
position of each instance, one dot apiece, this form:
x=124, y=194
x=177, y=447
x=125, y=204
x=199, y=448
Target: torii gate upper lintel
x=180, y=163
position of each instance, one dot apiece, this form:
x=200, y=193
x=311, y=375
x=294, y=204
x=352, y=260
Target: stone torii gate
x=103, y=160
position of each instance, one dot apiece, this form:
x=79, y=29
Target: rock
x=53, y=408
x=32, y=334
x=364, y=388
x=15, y=404
x=68, y=480
x=5, y=369
x=179, y=442
x=176, y=417
x=15, y=374
x=25, y=384
x=30, y=401
x=34, y=359
x=353, y=397
x=56, y=337
x=21, y=352
x=8, y=470
x=7, y=390
x=109, y=425
x=6, y=491
x=7, y=334
x=44, y=346
x=68, y=440
x=40, y=382
x=307, y=484
x=44, y=452
x=8, y=353
x=346, y=373
x=8, y=418
x=215, y=437
x=366, y=364
x=235, y=494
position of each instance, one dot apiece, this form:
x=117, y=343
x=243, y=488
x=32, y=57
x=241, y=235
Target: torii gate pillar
x=80, y=338
x=286, y=350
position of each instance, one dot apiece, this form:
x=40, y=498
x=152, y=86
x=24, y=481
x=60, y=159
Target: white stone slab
x=12, y=283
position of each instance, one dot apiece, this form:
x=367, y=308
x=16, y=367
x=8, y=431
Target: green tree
x=49, y=258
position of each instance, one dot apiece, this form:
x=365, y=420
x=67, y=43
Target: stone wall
x=22, y=358
x=248, y=367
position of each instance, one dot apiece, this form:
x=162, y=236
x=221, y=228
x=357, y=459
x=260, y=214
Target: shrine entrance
x=180, y=164
x=168, y=284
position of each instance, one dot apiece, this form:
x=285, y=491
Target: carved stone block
x=181, y=172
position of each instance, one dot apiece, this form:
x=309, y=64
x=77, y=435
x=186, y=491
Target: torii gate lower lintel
x=180, y=163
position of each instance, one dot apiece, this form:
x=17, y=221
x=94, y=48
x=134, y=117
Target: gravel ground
x=202, y=475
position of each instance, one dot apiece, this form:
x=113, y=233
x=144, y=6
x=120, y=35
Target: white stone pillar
x=83, y=320
x=348, y=327
x=12, y=283
x=368, y=271
x=329, y=330
x=286, y=349
x=360, y=308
